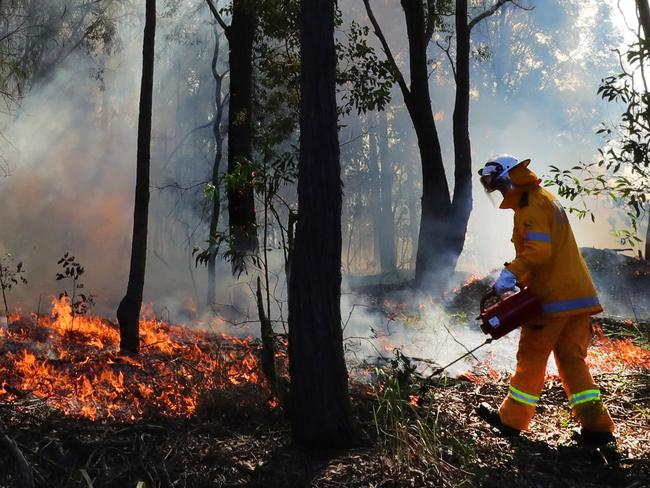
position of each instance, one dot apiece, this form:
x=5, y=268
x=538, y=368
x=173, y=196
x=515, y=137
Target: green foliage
x=81, y=303
x=366, y=79
x=621, y=172
x=11, y=274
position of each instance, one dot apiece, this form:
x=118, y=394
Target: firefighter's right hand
x=505, y=282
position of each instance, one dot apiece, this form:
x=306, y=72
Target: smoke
x=72, y=149
x=411, y=323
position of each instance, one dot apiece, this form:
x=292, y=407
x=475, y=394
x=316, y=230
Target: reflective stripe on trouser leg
x=584, y=396
x=522, y=397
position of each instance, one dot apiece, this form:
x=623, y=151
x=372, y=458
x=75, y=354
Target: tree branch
x=448, y=54
x=492, y=10
x=389, y=55
x=217, y=16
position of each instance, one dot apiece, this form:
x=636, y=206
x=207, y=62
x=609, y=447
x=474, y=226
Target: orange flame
x=73, y=363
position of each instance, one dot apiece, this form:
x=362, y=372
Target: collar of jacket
x=513, y=197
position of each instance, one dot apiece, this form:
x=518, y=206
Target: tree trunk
x=644, y=17
x=462, y=201
x=218, y=139
x=647, y=237
x=432, y=264
x=375, y=188
x=241, y=203
x=319, y=404
x=128, y=312
x=387, y=221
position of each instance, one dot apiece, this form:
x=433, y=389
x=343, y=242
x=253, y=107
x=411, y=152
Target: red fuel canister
x=508, y=313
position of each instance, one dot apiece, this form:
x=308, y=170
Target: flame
x=466, y=375
x=73, y=362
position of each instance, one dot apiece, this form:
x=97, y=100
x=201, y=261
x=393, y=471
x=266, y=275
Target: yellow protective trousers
x=568, y=338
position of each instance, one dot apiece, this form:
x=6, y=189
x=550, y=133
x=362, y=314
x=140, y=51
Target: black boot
x=593, y=438
x=491, y=416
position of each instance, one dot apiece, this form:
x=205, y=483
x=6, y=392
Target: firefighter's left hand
x=505, y=282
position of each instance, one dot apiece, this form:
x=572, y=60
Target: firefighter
x=549, y=263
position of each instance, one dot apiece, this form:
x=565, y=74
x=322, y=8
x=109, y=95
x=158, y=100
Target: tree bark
x=431, y=263
x=443, y=223
x=241, y=196
x=644, y=17
x=218, y=139
x=387, y=222
x=319, y=404
x=644, y=20
x=462, y=200
x=647, y=238
x=128, y=312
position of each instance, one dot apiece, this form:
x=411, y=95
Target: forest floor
x=235, y=440
x=414, y=433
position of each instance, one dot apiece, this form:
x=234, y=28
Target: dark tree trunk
x=443, y=222
x=432, y=263
x=647, y=237
x=387, y=222
x=319, y=404
x=241, y=197
x=128, y=312
x=375, y=187
x=218, y=139
x=462, y=201
x=644, y=17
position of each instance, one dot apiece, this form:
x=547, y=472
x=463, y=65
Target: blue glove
x=505, y=282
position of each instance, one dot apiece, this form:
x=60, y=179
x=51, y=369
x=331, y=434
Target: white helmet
x=494, y=175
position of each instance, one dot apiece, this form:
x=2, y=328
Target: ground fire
x=73, y=363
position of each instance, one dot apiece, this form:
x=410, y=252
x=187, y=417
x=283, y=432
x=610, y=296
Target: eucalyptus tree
x=128, y=312
x=319, y=403
x=444, y=217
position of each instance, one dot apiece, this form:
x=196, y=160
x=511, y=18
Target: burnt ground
x=234, y=442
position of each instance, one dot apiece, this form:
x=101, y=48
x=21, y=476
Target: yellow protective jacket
x=548, y=260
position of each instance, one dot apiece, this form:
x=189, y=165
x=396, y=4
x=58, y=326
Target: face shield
x=492, y=178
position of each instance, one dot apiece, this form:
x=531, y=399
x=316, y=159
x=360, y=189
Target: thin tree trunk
x=128, y=312
x=319, y=404
x=462, y=201
x=644, y=17
x=647, y=237
x=387, y=220
x=644, y=20
x=216, y=201
x=241, y=196
x=412, y=206
x=375, y=188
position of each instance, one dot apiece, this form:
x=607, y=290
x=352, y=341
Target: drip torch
x=502, y=316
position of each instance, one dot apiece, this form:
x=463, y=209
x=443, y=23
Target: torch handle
x=441, y=369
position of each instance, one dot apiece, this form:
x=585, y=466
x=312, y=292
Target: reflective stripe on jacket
x=548, y=259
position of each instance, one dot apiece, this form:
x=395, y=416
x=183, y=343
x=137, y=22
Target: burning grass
x=73, y=363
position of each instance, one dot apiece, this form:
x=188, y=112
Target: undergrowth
x=410, y=428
